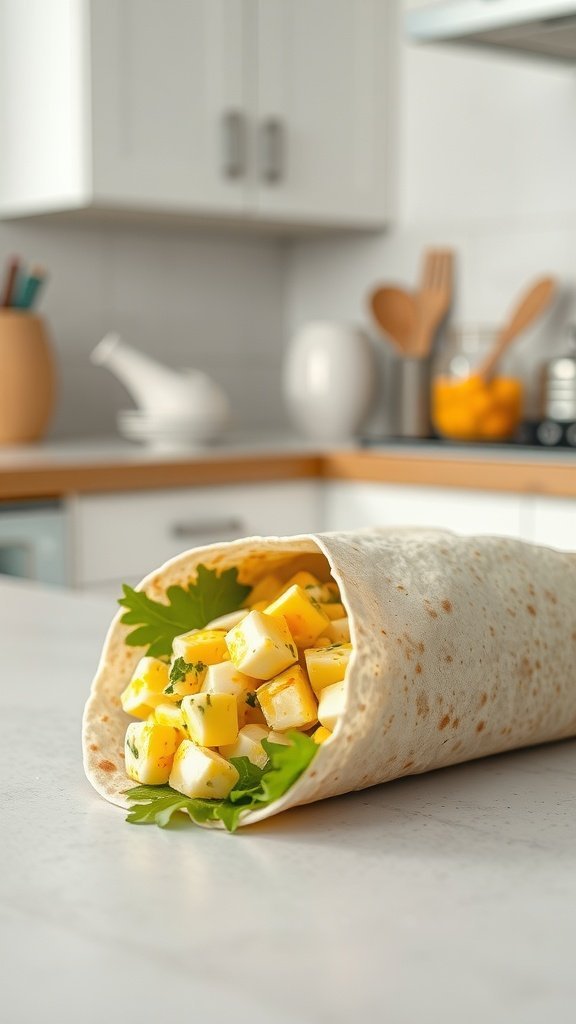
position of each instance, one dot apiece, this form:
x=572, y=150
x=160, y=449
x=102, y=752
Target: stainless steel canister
x=559, y=385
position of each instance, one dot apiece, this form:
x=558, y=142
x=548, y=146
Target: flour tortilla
x=462, y=647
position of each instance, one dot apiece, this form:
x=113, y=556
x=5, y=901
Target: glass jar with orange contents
x=465, y=406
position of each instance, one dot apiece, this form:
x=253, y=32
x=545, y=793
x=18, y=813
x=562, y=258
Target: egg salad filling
x=228, y=715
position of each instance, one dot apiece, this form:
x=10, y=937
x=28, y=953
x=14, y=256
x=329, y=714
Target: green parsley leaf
x=251, y=699
x=180, y=669
x=256, y=787
x=191, y=607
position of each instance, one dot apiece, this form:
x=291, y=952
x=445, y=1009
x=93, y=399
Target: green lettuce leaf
x=256, y=787
x=191, y=607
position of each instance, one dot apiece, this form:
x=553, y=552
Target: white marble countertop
x=447, y=898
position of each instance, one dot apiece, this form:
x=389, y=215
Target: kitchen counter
x=441, y=898
x=56, y=470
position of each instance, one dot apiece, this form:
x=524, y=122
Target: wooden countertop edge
x=483, y=474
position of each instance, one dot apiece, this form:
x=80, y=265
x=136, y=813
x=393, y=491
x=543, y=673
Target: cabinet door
x=323, y=104
x=168, y=104
x=122, y=537
x=352, y=506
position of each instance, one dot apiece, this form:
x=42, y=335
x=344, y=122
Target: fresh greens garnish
x=252, y=699
x=256, y=787
x=180, y=669
x=191, y=607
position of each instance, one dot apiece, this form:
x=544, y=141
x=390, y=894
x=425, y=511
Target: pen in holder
x=27, y=377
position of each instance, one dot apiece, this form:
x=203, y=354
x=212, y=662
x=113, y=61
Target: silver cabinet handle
x=233, y=144
x=207, y=528
x=273, y=150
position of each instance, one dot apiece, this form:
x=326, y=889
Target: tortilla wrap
x=462, y=647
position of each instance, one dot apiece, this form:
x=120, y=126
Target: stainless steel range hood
x=543, y=28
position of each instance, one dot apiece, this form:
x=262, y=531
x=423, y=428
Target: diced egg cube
x=279, y=737
x=287, y=701
x=248, y=744
x=169, y=714
x=261, y=646
x=149, y=752
x=265, y=590
x=185, y=678
x=304, y=617
x=321, y=734
x=211, y=718
x=327, y=665
x=226, y=678
x=226, y=622
x=331, y=705
x=249, y=710
x=302, y=579
x=146, y=687
x=197, y=772
x=205, y=645
x=339, y=631
x=333, y=609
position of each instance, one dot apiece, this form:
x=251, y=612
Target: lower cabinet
x=122, y=537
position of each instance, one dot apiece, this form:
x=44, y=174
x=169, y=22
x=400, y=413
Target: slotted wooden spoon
x=531, y=305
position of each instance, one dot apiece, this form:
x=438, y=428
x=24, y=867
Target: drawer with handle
x=121, y=537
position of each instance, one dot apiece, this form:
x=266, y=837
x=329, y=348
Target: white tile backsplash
x=210, y=301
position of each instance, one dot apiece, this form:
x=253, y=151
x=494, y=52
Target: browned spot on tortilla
x=421, y=647
x=93, y=746
x=531, y=590
x=531, y=609
x=422, y=705
x=480, y=726
x=492, y=630
x=447, y=605
x=551, y=596
x=361, y=707
x=104, y=718
x=384, y=633
x=400, y=587
x=115, y=701
x=444, y=722
x=511, y=612
x=407, y=765
x=348, y=739
x=538, y=663
x=457, y=746
x=418, y=669
x=449, y=659
x=526, y=668
x=558, y=688
x=455, y=723
x=483, y=699
x=313, y=775
x=107, y=766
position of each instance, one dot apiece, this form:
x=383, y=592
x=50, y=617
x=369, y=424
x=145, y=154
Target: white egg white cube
x=227, y=622
x=331, y=705
x=149, y=752
x=226, y=678
x=249, y=744
x=339, y=631
x=198, y=772
x=261, y=646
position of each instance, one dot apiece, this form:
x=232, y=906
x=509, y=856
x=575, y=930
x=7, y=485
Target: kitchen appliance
x=33, y=541
x=558, y=398
x=544, y=28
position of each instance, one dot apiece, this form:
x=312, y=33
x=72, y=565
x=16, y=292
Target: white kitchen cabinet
x=354, y=505
x=323, y=100
x=122, y=537
x=246, y=111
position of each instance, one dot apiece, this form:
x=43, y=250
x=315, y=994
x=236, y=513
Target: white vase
x=329, y=376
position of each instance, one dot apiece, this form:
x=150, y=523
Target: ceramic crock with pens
x=467, y=406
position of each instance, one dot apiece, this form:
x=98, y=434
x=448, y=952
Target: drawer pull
x=207, y=528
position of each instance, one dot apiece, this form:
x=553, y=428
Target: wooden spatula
x=531, y=305
x=394, y=310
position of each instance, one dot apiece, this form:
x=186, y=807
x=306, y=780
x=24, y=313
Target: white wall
x=486, y=163
x=205, y=300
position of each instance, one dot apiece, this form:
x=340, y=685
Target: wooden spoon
x=529, y=308
x=395, y=312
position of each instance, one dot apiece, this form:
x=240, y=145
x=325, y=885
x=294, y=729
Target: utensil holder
x=413, y=397
x=27, y=377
